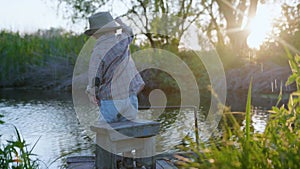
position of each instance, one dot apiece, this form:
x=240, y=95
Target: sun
x=262, y=25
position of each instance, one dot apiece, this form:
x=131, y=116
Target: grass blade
x=248, y=112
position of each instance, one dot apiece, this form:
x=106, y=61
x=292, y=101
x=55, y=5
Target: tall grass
x=16, y=155
x=278, y=147
x=19, y=53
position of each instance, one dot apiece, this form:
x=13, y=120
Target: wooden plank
x=163, y=164
x=123, y=130
x=81, y=166
x=79, y=159
x=88, y=162
x=123, y=125
x=81, y=162
x=136, y=123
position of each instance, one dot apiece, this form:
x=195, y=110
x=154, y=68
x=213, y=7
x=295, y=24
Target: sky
x=30, y=15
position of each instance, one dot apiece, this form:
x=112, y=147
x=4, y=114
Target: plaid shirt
x=112, y=64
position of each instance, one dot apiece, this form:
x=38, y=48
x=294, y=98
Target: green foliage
x=15, y=154
x=194, y=63
x=277, y=147
x=286, y=33
x=295, y=67
x=19, y=53
x=229, y=57
x=283, y=129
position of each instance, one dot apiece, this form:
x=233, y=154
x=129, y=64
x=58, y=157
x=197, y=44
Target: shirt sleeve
x=95, y=69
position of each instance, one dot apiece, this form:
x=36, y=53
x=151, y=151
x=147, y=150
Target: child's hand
x=91, y=95
x=93, y=99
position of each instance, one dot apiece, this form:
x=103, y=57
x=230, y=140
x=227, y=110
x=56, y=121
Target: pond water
x=48, y=116
x=51, y=117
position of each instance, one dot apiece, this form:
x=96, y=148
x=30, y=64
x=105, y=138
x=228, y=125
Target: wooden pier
x=88, y=162
x=115, y=140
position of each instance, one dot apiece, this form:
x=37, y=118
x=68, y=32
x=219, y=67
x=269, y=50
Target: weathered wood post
x=115, y=138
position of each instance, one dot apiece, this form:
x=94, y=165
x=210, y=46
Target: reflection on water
x=48, y=116
x=175, y=126
x=237, y=100
x=51, y=116
x=259, y=120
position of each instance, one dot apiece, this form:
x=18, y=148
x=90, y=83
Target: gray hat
x=101, y=22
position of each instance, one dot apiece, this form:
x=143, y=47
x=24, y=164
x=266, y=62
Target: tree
x=289, y=25
x=225, y=22
x=162, y=22
x=286, y=33
x=229, y=22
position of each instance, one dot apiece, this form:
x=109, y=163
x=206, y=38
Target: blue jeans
x=118, y=110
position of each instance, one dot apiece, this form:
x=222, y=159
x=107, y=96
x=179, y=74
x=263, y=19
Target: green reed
x=277, y=147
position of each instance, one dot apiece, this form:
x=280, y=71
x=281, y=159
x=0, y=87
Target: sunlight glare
x=261, y=26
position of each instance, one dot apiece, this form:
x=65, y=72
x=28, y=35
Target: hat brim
x=90, y=32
